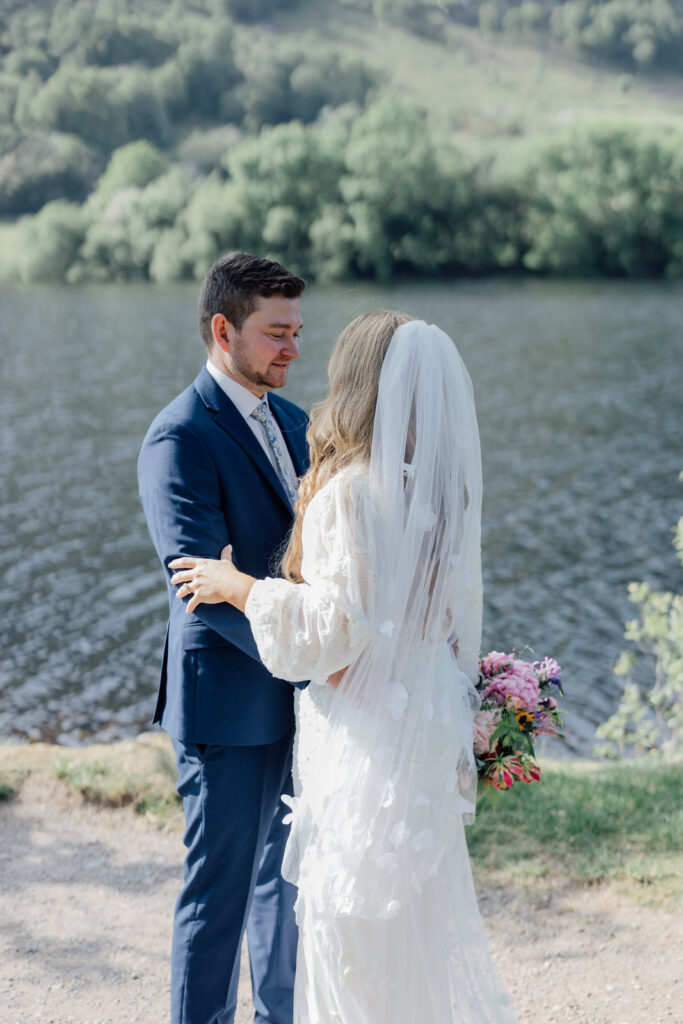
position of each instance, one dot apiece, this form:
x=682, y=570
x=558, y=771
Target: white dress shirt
x=246, y=401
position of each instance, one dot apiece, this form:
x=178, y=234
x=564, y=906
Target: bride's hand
x=210, y=580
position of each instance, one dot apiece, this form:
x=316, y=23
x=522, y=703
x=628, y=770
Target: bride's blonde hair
x=340, y=430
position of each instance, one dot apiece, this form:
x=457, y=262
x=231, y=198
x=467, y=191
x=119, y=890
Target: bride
x=380, y=607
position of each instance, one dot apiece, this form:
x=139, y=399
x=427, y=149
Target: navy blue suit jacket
x=206, y=482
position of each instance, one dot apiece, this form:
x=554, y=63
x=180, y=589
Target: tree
x=135, y=164
x=332, y=244
x=253, y=10
x=206, y=66
x=101, y=105
x=111, y=251
x=44, y=167
x=410, y=202
x=47, y=243
x=169, y=260
x=23, y=60
x=606, y=200
x=284, y=178
x=650, y=718
x=296, y=80
x=109, y=41
x=159, y=204
x=82, y=102
x=214, y=221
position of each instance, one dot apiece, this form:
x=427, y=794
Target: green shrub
x=650, y=717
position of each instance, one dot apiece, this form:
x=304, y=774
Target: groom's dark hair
x=233, y=285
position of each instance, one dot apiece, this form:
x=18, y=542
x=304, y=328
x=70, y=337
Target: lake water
x=579, y=391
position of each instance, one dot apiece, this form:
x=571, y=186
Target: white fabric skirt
x=427, y=964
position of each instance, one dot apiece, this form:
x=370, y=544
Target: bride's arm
x=209, y=581
x=336, y=677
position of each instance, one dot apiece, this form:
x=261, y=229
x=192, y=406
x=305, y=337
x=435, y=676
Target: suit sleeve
x=180, y=494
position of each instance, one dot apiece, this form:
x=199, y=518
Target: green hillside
x=363, y=139
x=479, y=86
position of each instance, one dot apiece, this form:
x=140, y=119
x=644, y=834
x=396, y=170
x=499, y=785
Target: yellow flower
x=524, y=719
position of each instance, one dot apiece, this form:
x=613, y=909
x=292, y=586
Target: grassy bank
x=138, y=774
x=587, y=822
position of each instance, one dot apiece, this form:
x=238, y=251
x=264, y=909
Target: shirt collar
x=245, y=400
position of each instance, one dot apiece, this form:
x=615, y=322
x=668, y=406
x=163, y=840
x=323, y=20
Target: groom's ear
x=222, y=330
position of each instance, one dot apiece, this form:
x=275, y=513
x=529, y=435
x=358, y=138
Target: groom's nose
x=291, y=349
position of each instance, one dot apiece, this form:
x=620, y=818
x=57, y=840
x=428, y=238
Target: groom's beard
x=274, y=376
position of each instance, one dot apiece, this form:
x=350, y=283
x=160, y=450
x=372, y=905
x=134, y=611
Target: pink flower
x=484, y=724
x=499, y=776
x=519, y=680
x=547, y=669
x=494, y=662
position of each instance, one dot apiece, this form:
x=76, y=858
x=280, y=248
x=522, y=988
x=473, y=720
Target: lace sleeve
x=310, y=630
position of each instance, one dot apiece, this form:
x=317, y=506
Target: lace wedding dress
x=389, y=929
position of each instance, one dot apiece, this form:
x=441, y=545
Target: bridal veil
x=388, y=917
x=396, y=767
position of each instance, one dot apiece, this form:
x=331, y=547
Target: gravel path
x=86, y=897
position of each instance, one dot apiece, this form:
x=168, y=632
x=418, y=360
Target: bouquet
x=518, y=703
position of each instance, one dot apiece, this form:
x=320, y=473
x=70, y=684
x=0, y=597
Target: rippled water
x=580, y=396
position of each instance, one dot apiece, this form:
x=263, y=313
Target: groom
x=219, y=466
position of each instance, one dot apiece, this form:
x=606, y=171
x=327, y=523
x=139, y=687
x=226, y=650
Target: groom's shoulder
x=184, y=412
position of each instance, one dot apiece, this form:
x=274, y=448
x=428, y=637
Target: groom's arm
x=180, y=494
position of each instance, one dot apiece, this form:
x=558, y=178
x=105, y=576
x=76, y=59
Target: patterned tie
x=264, y=416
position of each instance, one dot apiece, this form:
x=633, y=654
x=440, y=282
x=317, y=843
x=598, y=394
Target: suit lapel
x=230, y=419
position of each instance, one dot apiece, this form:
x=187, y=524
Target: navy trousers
x=235, y=840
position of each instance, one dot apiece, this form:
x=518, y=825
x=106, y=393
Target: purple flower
x=547, y=670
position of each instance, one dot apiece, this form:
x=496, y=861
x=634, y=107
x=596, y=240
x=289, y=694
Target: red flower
x=502, y=770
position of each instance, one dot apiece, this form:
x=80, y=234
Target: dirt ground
x=86, y=897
